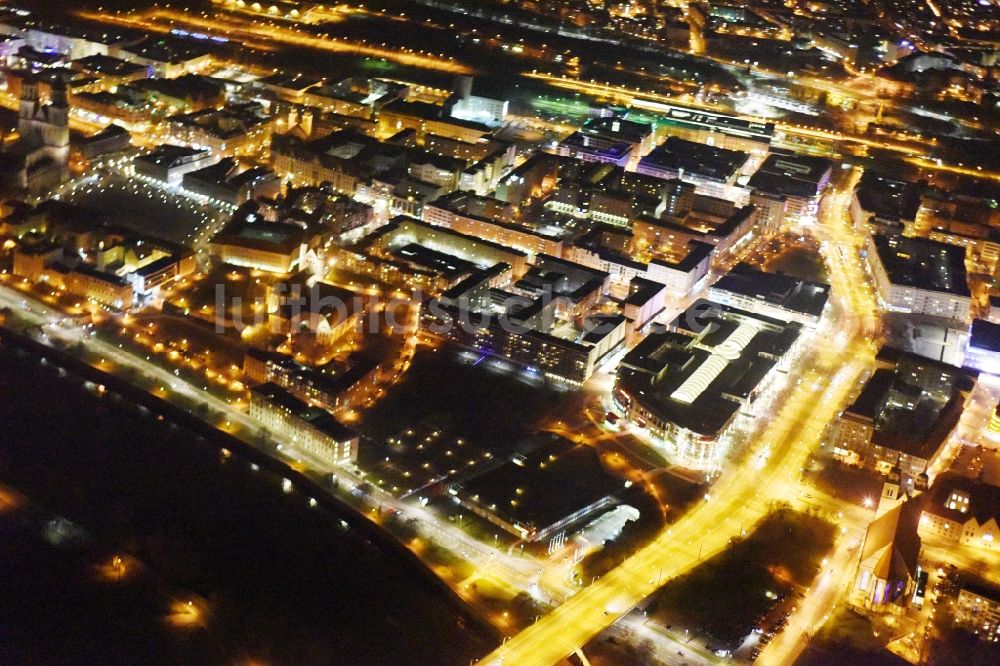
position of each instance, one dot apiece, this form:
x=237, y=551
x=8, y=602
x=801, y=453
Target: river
x=273, y=579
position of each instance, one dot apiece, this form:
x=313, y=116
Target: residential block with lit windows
x=309, y=429
x=978, y=610
x=903, y=416
x=963, y=511
x=920, y=276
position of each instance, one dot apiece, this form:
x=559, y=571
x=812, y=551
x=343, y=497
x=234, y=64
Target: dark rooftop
x=985, y=335
x=698, y=158
x=914, y=404
x=446, y=264
x=923, y=263
x=252, y=231
x=183, y=87
x=617, y=129
x=984, y=499
x=791, y=175
x=777, y=289
x=107, y=133
x=102, y=64
x=544, y=485
x=167, y=154
x=888, y=198
x=641, y=290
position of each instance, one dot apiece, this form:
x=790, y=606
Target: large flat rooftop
x=617, y=129
x=698, y=375
x=923, y=263
x=168, y=155
x=783, y=291
x=888, y=198
x=792, y=175
x=690, y=117
x=550, y=481
x=700, y=159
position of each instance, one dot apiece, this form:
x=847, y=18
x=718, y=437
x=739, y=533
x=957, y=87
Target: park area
x=486, y=404
x=727, y=596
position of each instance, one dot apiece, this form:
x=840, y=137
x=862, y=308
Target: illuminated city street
x=622, y=332
x=740, y=497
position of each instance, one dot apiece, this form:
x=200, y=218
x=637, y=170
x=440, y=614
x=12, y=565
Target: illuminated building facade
x=963, y=511
x=335, y=387
x=308, y=429
x=253, y=242
x=644, y=301
x=608, y=139
x=689, y=386
x=977, y=609
x=674, y=236
x=489, y=219
x=542, y=326
x=800, y=179
x=904, y=415
x=354, y=96
x=189, y=93
x=682, y=277
x=889, y=565
x=312, y=162
x=770, y=210
x=112, y=139
x=427, y=119
x=327, y=311
x=169, y=163
x=920, y=276
x=100, y=287
x=401, y=231
x=712, y=170
x=526, y=180
x=772, y=295
x=38, y=160
x=237, y=129
x=477, y=108
x=33, y=255
x=226, y=182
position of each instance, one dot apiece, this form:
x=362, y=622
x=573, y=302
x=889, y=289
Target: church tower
x=29, y=107
x=43, y=146
x=893, y=492
x=890, y=499
x=55, y=133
